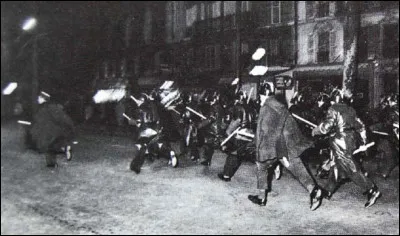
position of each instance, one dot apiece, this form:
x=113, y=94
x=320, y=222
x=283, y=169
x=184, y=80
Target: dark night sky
x=67, y=24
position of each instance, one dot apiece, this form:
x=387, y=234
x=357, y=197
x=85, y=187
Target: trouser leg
x=360, y=179
x=208, y=152
x=390, y=161
x=138, y=158
x=232, y=164
x=301, y=172
x=264, y=170
x=52, y=150
x=194, y=151
x=51, y=159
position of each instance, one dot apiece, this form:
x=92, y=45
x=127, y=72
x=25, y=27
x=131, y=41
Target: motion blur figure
x=388, y=145
x=52, y=130
x=210, y=128
x=239, y=148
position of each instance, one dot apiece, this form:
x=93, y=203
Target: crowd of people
x=318, y=137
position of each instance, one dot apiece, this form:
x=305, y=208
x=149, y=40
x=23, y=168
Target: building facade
x=198, y=42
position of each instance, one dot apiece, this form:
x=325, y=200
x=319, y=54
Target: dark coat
x=50, y=123
x=277, y=133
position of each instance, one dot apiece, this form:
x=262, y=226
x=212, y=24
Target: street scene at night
x=200, y=117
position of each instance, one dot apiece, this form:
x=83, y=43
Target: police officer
x=150, y=139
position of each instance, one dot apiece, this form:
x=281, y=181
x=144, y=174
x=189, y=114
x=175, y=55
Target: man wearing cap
x=52, y=130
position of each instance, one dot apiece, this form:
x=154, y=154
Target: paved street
x=96, y=193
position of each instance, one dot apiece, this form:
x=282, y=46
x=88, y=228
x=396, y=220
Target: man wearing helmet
x=151, y=138
x=346, y=133
x=388, y=146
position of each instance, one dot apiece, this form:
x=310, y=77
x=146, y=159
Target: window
x=212, y=60
x=202, y=11
x=310, y=48
x=274, y=47
x=216, y=9
x=276, y=12
x=373, y=40
x=209, y=11
x=323, y=9
x=200, y=57
x=175, y=18
x=323, y=47
x=310, y=9
x=114, y=68
x=391, y=41
x=287, y=11
x=273, y=12
x=209, y=57
x=363, y=45
x=332, y=46
x=245, y=6
x=106, y=69
x=245, y=48
x=123, y=68
x=229, y=7
x=190, y=57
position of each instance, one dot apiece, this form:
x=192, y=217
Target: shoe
x=68, y=153
x=222, y=177
x=315, y=198
x=372, y=197
x=206, y=163
x=256, y=200
x=278, y=172
x=134, y=168
x=52, y=165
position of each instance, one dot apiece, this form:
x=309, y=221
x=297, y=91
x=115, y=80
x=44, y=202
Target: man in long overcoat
x=52, y=131
x=279, y=140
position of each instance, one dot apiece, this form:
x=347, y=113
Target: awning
x=288, y=73
x=318, y=70
x=247, y=79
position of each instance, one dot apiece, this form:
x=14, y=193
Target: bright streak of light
x=259, y=70
x=24, y=122
x=109, y=95
x=236, y=81
x=29, y=24
x=45, y=94
x=10, y=88
x=167, y=84
x=260, y=52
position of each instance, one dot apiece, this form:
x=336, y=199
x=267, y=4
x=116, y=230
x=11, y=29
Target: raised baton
x=364, y=148
x=244, y=133
x=229, y=137
x=127, y=117
x=195, y=112
x=381, y=133
x=304, y=120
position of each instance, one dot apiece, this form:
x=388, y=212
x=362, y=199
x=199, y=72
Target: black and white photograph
x=200, y=117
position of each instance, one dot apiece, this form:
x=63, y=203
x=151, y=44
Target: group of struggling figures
x=264, y=131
